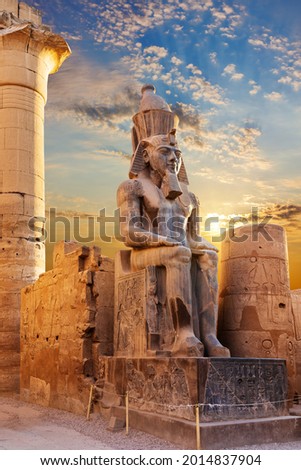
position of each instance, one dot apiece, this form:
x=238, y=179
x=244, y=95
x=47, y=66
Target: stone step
x=214, y=435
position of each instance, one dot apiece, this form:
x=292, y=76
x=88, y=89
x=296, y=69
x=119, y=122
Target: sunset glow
x=230, y=70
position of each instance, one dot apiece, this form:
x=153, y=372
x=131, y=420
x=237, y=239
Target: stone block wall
x=66, y=323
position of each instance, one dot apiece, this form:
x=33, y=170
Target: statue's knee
x=179, y=255
x=208, y=259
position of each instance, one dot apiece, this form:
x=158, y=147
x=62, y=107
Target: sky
x=230, y=69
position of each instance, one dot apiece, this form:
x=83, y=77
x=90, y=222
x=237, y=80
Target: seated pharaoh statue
x=159, y=222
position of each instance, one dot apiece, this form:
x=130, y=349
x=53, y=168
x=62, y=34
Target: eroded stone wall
x=66, y=323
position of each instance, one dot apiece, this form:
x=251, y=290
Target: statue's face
x=164, y=158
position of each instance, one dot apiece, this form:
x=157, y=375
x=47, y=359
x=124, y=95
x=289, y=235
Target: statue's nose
x=172, y=157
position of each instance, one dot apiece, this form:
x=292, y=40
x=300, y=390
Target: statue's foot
x=214, y=348
x=188, y=346
x=219, y=351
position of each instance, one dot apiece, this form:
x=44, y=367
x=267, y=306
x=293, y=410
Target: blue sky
x=230, y=69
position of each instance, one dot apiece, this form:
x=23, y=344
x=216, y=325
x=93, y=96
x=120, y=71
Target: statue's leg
x=207, y=304
x=178, y=292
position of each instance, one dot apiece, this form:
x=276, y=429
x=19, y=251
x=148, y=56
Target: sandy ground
x=27, y=426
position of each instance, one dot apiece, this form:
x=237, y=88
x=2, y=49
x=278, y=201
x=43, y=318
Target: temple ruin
x=150, y=326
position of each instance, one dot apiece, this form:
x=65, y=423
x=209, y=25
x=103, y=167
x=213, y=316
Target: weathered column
x=296, y=309
x=29, y=52
x=255, y=314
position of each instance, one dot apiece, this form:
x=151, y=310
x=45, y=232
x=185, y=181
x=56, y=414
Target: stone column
x=296, y=308
x=255, y=311
x=29, y=52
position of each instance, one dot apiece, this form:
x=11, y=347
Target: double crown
x=154, y=122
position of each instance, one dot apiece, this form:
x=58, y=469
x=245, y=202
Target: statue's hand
x=200, y=246
x=164, y=241
x=170, y=242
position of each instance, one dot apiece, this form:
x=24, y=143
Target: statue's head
x=155, y=147
x=162, y=154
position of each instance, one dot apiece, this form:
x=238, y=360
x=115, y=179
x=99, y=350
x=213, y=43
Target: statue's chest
x=156, y=205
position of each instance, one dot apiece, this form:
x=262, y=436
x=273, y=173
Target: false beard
x=170, y=185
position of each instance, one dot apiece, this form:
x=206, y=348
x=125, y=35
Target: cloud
x=237, y=146
x=55, y=200
x=229, y=145
x=193, y=143
x=274, y=43
x=109, y=97
x=292, y=78
x=176, y=61
x=274, y=96
x=190, y=118
x=103, y=154
x=257, y=42
x=143, y=67
x=178, y=27
x=224, y=177
x=287, y=57
x=194, y=69
x=231, y=71
x=284, y=214
x=120, y=24
x=158, y=52
x=213, y=57
x=122, y=106
x=256, y=88
x=56, y=166
x=92, y=94
x=71, y=37
x=294, y=183
x=226, y=19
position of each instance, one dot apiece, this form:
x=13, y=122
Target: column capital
x=36, y=39
x=29, y=53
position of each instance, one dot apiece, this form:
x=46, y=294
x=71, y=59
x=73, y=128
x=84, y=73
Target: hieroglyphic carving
x=244, y=388
x=135, y=383
x=152, y=301
x=101, y=368
x=159, y=389
x=296, y=309
x=266, y=275
x=130, y=320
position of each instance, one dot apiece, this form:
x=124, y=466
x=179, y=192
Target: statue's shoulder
x=129, y=189
x=194, y=200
